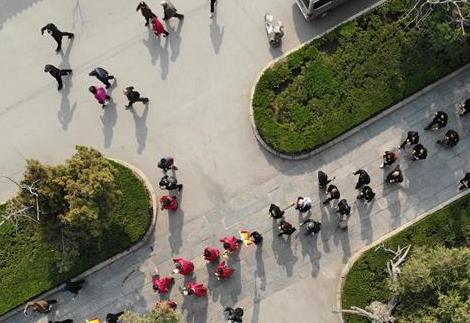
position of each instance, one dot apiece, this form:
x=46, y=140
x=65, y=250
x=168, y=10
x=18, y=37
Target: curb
x=355, y=257
x=352, y=131
x=138, y=245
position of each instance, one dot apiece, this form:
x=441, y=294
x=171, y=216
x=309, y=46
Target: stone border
x=355, y=257
x=138, y=245
x=352, y=131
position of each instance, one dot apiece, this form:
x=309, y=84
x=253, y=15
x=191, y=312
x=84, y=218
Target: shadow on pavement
x=65, y=114
x=216, y=33
x=283, y=251
x=141, y=128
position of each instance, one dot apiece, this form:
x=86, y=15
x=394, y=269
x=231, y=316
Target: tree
x=434, y=286
x=74, y=198
x=160, y=314
x=458, y=12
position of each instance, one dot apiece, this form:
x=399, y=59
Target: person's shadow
x=156, y=50
x=151, y=46
x=174, y=39
x=216, y=33
x=141, y=129
x=65, y=114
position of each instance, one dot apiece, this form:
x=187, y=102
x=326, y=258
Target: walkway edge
x=138, y=245
x=355, y=257
x=352, y=131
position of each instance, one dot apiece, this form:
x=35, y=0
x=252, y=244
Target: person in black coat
x=395, y=176
x=73, y=287
x=285, y=228
x=343, y=207
x=439, y=121
x=451, y=138
x=332, y=194
x=63, y=321
x=56, y=34
x=366, y=193
x=102, y=75
x=412, y=138
x=275, y=212
x=419, y=153
x=389, y=157
x=323, y=179
x=146, y=12
x=363, y=179
x=464, y=182
x=311, y=226
x=133, y=97
x=169, y=183
x=57, y=73
x=234, y=315
x=113, y=317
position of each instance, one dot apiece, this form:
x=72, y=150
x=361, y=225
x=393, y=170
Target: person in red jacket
x=162, y=284
x=158, y=27
x=223, y=271
x=196, y=289
x=231, y=243
x=169, y=202
x=183, y=266
x=211, y=254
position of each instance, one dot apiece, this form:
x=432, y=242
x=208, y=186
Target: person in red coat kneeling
x=196, y=289
x=158, y=27
x=211, y=254
x=231, y=244
x=169, y=202
x=223, y=271
x=162, y=284
x=183, y=266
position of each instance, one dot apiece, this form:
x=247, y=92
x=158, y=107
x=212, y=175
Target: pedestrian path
x=196, y=115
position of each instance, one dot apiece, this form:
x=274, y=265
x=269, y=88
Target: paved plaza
x=199, y=81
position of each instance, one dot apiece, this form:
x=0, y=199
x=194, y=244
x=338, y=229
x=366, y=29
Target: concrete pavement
x=199, y=83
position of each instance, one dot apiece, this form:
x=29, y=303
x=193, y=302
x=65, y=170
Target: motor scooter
x=275, y=32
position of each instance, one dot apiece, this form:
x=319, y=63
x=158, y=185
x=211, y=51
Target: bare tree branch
x=31, y=189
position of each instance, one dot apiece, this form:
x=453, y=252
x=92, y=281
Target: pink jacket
x=100, y=94
x=187, y=267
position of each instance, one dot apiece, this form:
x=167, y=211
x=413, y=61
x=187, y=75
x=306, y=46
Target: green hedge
x=365, y=281
x=28, y=264
x=351, y=74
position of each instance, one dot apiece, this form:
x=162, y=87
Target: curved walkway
x=198, y=115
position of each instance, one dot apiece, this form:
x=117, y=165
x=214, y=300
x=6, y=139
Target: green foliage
x=159, y=314
x=351, y=74
x=366, y=281
x=435, y=284
x=30, y=264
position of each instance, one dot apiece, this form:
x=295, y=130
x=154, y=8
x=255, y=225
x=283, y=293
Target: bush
x=366, y=281
x=351, y=74
x=29, y=265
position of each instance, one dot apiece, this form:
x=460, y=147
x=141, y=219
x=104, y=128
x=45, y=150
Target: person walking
x=366, y=193
x=213, y=2
x=389, y=157
x=146, y=12
x=363, y=179
x=113, y=317
x=323, y=179
x=195, y=289
x=439, y=121
x=332, y=193
x=303, y=204
x=169, y=183
x=162, y=285
x=73, y=287
x=133, y=97
x=275, y=212
x=464, y=108
x=100, y=95
x=256, y=237
x=56, y=34
x=412, y=138
x=285, y=228
x=231, y=244
x=343, y=207
x=395, y=176
x=223, y=271
x=451, y=138
x=166, y=163
x=234, y=315
x=183, y=266
x=169, y=202
x=311, y=226
x=169, y=10
x=211, y=254
x=464, y=182
x=57, y=73
x=419, y=153
x=158, y=27
x=102, y=75
x=41, y=306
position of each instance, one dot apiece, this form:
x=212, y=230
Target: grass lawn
x=365, y=281
x=28, y=264
x=351, y=74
